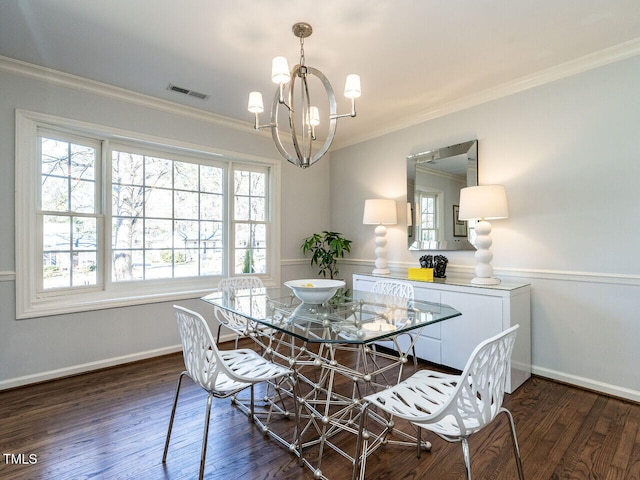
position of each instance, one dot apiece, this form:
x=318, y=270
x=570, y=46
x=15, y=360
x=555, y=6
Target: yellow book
x=424, y=274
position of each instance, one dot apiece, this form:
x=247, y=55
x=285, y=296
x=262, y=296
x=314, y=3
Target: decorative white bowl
x=314, y=291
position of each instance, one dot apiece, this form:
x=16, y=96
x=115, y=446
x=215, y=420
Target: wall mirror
x=434, y=180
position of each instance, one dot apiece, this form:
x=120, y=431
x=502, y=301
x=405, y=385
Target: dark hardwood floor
x=111, y=424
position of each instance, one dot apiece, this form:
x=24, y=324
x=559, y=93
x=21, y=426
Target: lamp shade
x=255, y=102
x=314, y=116
x=483, y=202
x=280, y=70
x=352, y=86
x=380, y=211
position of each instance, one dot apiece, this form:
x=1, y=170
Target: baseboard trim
x=86, y=367
x=588, y=383
x=97, y=365
x=582, y=382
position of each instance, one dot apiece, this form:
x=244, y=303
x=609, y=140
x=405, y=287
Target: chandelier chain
x=301, y=51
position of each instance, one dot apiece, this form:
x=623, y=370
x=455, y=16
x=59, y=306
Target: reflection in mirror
x=434, y=181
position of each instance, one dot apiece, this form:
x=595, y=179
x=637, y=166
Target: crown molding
x=591, y=61
x=582, y=64
x=86, y=85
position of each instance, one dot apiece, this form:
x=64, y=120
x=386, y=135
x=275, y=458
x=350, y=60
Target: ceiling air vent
x=186, y=91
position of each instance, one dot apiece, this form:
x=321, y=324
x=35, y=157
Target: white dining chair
x=240, y=325
x=222, y=373
x=452, y=406
x=402, y=291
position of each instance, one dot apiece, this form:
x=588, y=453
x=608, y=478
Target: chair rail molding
x=522, y=273
x=7, y=276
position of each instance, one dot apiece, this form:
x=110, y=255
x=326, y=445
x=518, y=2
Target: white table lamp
x=485, y=202
x=380, y=212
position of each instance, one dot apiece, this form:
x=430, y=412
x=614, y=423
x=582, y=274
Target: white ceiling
x=415, y=57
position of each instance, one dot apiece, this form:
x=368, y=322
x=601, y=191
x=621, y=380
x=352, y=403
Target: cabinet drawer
x=426, y=348
x=363, y=284
x=481, y=318
x=429, y=295
x=429, y=349
x=432, y=331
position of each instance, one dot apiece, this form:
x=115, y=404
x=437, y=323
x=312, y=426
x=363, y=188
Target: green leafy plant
x=326, y=248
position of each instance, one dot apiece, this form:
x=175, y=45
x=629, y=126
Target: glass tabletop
x=361, y=317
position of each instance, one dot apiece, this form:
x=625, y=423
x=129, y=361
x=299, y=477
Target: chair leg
x=205, y=436
x=173, y=414
x=514, y=439
x=252, y=406
x=467, y=456
x=218, y=334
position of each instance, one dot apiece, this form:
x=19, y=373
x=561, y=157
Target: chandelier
x=303, y=115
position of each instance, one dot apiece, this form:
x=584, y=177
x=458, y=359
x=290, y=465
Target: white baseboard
x=587, y=383
x=97, y=365
x=583, y=382
x=86, y=367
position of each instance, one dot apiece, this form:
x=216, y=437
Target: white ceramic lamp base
x=484, y=270
x=381, y=251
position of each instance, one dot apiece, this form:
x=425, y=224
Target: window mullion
x=230, y=220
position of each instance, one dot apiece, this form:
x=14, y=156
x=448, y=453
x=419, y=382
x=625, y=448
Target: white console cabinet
x=486, y=311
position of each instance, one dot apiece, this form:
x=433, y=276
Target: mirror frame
x=470, y=150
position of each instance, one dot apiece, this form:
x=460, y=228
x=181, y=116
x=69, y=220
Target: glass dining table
x=332, y=348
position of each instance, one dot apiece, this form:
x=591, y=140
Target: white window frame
x=97, y=214
x=30, y=304
x=438, y=197
x=233, y=221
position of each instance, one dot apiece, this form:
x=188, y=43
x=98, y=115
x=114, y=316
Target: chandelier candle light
x=303, y=116
x=485, y=202
x=380, y=212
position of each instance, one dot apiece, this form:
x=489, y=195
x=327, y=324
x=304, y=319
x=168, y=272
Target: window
x=68, y=211
x=428, y=221
x=250, y=226
x=115, y=223
x=430, y=218
x=167, y=217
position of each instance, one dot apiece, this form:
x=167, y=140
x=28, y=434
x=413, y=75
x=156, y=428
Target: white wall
x=569, y=157
x=41, y=348
x=567, y=153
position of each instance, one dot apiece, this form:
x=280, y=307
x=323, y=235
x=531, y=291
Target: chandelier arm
x=257, y=125
x=275, y=131
x=353, y=111
x=281, y=98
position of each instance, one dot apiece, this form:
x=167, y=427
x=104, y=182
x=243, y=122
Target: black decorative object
x=426, y=261
x=440, y=266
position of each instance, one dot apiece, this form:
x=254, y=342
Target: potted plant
x=326, y=248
